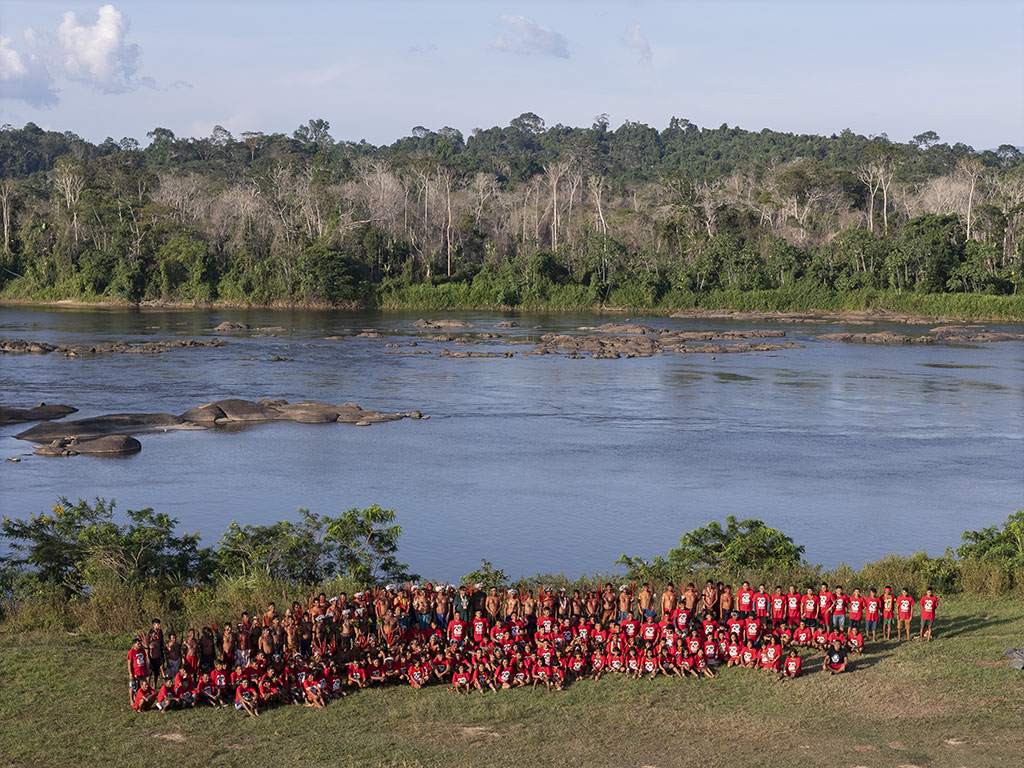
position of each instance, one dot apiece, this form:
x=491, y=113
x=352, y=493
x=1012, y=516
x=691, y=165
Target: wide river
x=540, y=464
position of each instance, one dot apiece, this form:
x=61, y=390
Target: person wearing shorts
x=835, y=659
x=888, y=612
x=904, y=613
x=929, y=602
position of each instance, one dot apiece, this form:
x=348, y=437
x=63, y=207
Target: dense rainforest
x=521, y=216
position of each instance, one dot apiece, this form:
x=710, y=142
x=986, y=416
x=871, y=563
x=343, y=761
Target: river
x=540, y=464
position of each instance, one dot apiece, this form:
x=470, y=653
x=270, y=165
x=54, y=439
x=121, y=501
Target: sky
x=376, y=69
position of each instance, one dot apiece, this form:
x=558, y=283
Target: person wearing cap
x=478, y=598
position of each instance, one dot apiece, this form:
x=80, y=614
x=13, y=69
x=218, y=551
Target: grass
x=953, y=702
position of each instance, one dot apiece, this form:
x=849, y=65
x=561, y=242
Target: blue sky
x=376, y=69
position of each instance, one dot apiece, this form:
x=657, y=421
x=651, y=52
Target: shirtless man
x=530, y=611
x=607, y=605
x=442, y=607
x=293, y=635
x=155, y=642
x=492, y=604
x=207, y=650
x=725, y=602
x=172, y=656
x=646, y=599
x=669, y=601
x=625, y=602
x=269, y=615
x=710, y=597
x=690, y=597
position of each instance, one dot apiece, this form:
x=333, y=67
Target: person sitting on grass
x=792, y=667
x=145, y=697
x=835, y=659
x=165, y=698
x=247, y=698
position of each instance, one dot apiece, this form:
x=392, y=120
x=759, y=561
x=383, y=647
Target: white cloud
x=98, y=55
x=637, y=42
x=24, y=77
x=527, y=37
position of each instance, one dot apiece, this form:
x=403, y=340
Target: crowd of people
x=469, y=639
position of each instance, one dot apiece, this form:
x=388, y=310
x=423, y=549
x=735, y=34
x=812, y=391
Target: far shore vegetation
x=521, y=217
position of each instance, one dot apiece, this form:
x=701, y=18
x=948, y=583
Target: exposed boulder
x=508, y=324
x=882, y=337
x=236, y=410
x=230, y=325
x=19, y=346
x=110, y=445
x=42, y=412
x=100, y=426
x=207, y=413
x=421, y=323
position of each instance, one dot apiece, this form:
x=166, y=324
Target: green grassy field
x=954, y=702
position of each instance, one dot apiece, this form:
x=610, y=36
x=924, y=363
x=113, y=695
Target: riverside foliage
x=76, y=567
x=519, y=216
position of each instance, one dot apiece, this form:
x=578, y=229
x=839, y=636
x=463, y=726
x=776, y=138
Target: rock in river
x=42, y=412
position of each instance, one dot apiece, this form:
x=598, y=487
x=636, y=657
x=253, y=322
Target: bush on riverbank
x=77, y=569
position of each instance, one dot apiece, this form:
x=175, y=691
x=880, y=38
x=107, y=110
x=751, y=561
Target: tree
x=740, y=545
x=1001, y=547
x=366, y=543
x=253, y=139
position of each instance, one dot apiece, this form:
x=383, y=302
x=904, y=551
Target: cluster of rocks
x=463, y=353
x=42, y=412
x=56, y=439
x=949, y=334
x=22, y=347
x=436, y=324
x=648, y=341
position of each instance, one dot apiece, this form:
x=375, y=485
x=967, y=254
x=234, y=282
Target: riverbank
x=859, y=306
x=952, y=702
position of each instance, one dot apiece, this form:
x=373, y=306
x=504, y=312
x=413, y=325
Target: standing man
x=904, y=613
x=888, y=612
x=155, y=642
x=929, y=602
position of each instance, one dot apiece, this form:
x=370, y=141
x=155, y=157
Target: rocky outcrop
x=110, y=445
x=438, y=324
x=20, y=346
x=229, y=326
x=56, y=437
x=101, y=426
x=882, y=337
x=42, y=412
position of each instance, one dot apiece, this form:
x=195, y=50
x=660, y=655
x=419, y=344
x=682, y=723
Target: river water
x=540, y=464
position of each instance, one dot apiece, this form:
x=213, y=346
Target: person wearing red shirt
x=478, y=627
x=856, y=609
x=681, y=620
x=462, y=679
x=825, y=602
x=649, y=632
x=138, y=668
x=761, y=603
x=778, y=608
x=792, y=667
x=247, y=699
x=749, y=656
x=819, y=637
x=597, y=664
x=734, y=652
x=840, y=605
x=745, y=600
x=809, y=608
x=929, y=602
x=734, y=626
x=855, y=640
x=803, y=635
x=872, y=612
x=793, y=605
x=904, y=613
x=630, y=627
x=165, y=698
x=752, y=631
x=888, y=612
x=145, y=697
x=457, y=631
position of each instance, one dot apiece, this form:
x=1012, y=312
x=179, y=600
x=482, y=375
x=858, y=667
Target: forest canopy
x=521, y=215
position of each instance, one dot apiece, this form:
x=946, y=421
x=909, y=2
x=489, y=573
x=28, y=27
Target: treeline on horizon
x=77, y=567
x=519, y=216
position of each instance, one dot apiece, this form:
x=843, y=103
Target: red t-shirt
x=809, y=604
x=856, y=608
x=904, y=607
x=745, y=599
x=142, y=703
x=456, y=630
x=761, y=604
x=839, y=603
x=871, y=608
x=793, y=665
x=888, y=605
x=825, y=602
x=928, y=606
x=778, y=607
x=137, y=658
x=792, y=604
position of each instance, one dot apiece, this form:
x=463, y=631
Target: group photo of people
x=476, y=640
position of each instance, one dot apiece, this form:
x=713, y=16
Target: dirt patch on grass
x=479, y=733
x=177, y=738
